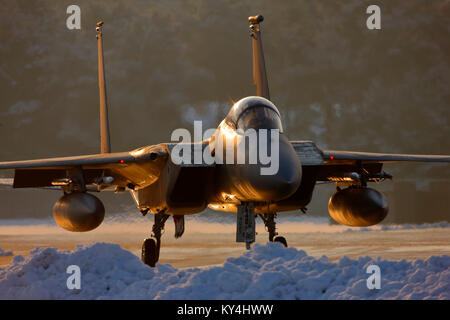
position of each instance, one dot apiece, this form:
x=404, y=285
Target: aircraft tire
x=281, y=240
x=149, y=254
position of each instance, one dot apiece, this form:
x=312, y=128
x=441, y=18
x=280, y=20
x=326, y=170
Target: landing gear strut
x=152, y=246
x=269, y=222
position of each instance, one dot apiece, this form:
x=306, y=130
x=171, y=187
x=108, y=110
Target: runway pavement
x=206, y=244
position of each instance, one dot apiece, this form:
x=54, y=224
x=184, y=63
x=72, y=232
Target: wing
x=348, y=166
x=8, y=184
x=135, y=169
x=333, y=157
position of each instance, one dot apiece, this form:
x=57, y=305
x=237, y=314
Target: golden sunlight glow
x=138, y=152
x=228, y=131
x=228, y=197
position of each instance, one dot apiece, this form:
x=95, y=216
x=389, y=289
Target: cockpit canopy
x=255, y=113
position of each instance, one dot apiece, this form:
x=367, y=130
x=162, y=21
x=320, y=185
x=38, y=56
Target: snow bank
x=4, y=253
x=265, y=272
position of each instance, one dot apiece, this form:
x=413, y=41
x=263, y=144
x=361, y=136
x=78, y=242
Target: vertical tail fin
x=105, y=144
x=259, y=66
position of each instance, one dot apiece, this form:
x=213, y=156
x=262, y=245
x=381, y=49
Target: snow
x=266, y=272
x=4, y=253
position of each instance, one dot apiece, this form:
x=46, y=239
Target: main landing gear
x=245, y=231
x=151, y=246
x=270, y=224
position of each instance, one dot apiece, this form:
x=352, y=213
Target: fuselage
x=253, y=161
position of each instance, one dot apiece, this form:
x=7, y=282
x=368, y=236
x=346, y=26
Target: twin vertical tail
x=259, y=66
x=259, y=76
x=105, y=144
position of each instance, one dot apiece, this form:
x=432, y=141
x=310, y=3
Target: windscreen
x=259, y=117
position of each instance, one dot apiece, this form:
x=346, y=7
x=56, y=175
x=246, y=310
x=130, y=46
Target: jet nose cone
x=284, y=181
x=281, y=187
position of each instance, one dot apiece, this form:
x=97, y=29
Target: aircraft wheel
x=281, y=240
x=149, y=254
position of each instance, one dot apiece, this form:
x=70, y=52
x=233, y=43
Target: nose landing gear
x=245, y=231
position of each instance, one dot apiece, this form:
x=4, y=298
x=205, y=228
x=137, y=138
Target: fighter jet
x=164, y=185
